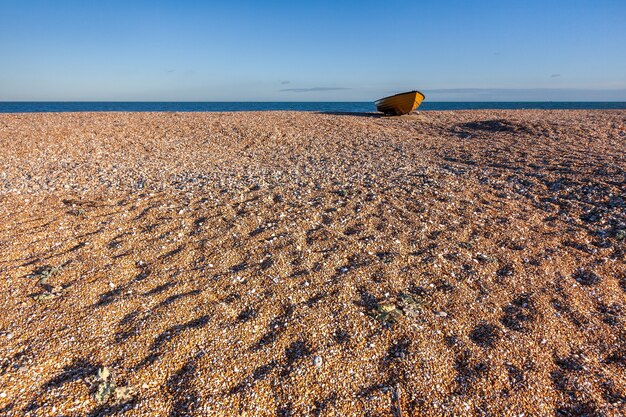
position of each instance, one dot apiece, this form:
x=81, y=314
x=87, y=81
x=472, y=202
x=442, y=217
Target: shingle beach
x=308, y=264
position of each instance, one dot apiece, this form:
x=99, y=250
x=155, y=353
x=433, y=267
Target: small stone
x=481, y=257
x=9, y=336
x=3, y=394
x=317, y=361
x=441, y=314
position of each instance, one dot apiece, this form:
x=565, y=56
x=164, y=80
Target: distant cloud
x=308, y=90
x=285, y=82
x=170, y=70
x=555, y=75
x=460, y=90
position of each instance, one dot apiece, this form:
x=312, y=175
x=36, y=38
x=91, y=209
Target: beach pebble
x=317, y=361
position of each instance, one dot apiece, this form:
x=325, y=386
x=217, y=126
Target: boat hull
x=403, y=103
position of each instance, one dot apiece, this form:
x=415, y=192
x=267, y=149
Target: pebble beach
x=313, y=264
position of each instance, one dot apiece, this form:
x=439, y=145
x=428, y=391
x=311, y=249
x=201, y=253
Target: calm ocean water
x=351, y=107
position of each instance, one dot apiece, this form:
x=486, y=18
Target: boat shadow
x=356, y=114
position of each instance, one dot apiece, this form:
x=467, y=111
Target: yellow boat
x=403, y=103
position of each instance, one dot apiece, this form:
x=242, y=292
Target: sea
x=318, y=106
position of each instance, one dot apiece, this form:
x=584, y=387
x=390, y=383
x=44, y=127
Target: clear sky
x=312, y=50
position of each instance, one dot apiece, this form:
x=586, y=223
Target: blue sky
x=312, y=50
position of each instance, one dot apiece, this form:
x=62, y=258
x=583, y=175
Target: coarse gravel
x=311, y=264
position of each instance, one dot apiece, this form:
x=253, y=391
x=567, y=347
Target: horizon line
x=305, y=101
